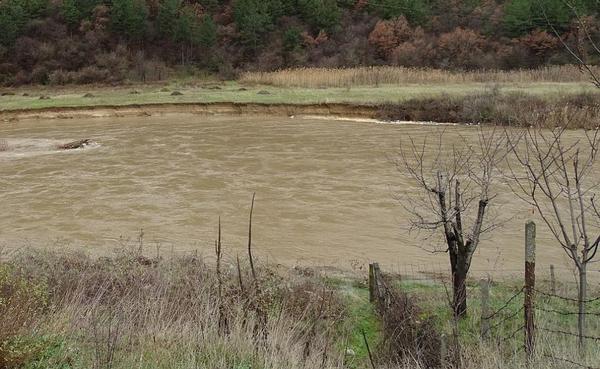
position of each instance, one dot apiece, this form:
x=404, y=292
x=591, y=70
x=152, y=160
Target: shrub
x=409, y=334
x=59, y=77
x=462, y=48
x=387, y=35
x=39, y=75
x=539, y=44
x=116, y=63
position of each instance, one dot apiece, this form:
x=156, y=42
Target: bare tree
x=583, y=36
x=454, y=196
x=561, y=177
x=558, y=176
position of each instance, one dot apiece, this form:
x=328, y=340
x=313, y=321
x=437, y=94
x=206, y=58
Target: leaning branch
x=250, y=258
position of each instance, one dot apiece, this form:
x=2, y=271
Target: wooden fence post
x=552, y=280
x=484, y=284
x=373, y=267
x=529, y=288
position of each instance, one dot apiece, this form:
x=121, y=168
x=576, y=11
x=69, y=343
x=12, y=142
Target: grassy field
x=395, y=94
x=236, y=92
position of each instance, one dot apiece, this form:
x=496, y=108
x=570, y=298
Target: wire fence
x=507, y=322
x=564, y=333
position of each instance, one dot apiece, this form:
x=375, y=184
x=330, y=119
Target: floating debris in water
x=25, y=147
x=75, y=145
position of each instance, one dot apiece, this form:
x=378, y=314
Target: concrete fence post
x=484, y=285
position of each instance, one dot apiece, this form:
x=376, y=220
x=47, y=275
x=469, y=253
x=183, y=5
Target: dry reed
x=387, y=75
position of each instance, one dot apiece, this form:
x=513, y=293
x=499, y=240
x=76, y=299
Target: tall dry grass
x=387, y=75
x=131, y=311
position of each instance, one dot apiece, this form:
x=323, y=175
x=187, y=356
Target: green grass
x=433, y=298
x=230, y=92
x=360, y=317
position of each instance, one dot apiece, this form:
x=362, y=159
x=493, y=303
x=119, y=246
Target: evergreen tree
x=253, y=18
x=184, y=28
x=70, y=12
x=167, y=17
x=209, y=5
x=86, y=7
x=12, y=21
x=128, y=18
x=35, y=8
x=207, y=32
x=320, y=14
x=292, y=39
x=523, y=16
x=416, y=11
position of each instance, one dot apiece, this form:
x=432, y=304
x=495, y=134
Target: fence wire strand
x=505, y=306
x=513, y=334
x=504, y=320
x=566, y=298
x=560, y=312
x=570, y=362
x=594, y=338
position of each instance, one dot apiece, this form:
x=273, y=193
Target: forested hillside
x=88, y=41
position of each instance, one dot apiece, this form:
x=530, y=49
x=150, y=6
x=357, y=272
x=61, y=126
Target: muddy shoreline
x=511, y=110
x=107, y=111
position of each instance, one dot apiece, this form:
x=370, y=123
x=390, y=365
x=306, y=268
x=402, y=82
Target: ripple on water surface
x=324, y=188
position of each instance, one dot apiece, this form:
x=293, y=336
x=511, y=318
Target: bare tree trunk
x=459, y=269
x=581, y=302
x=459, y=302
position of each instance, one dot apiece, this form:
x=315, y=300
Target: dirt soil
x=107, y=111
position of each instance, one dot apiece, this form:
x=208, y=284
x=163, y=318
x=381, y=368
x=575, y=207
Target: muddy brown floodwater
x=324, y=190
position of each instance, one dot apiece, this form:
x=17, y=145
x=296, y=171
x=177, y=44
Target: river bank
x=470, y=103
